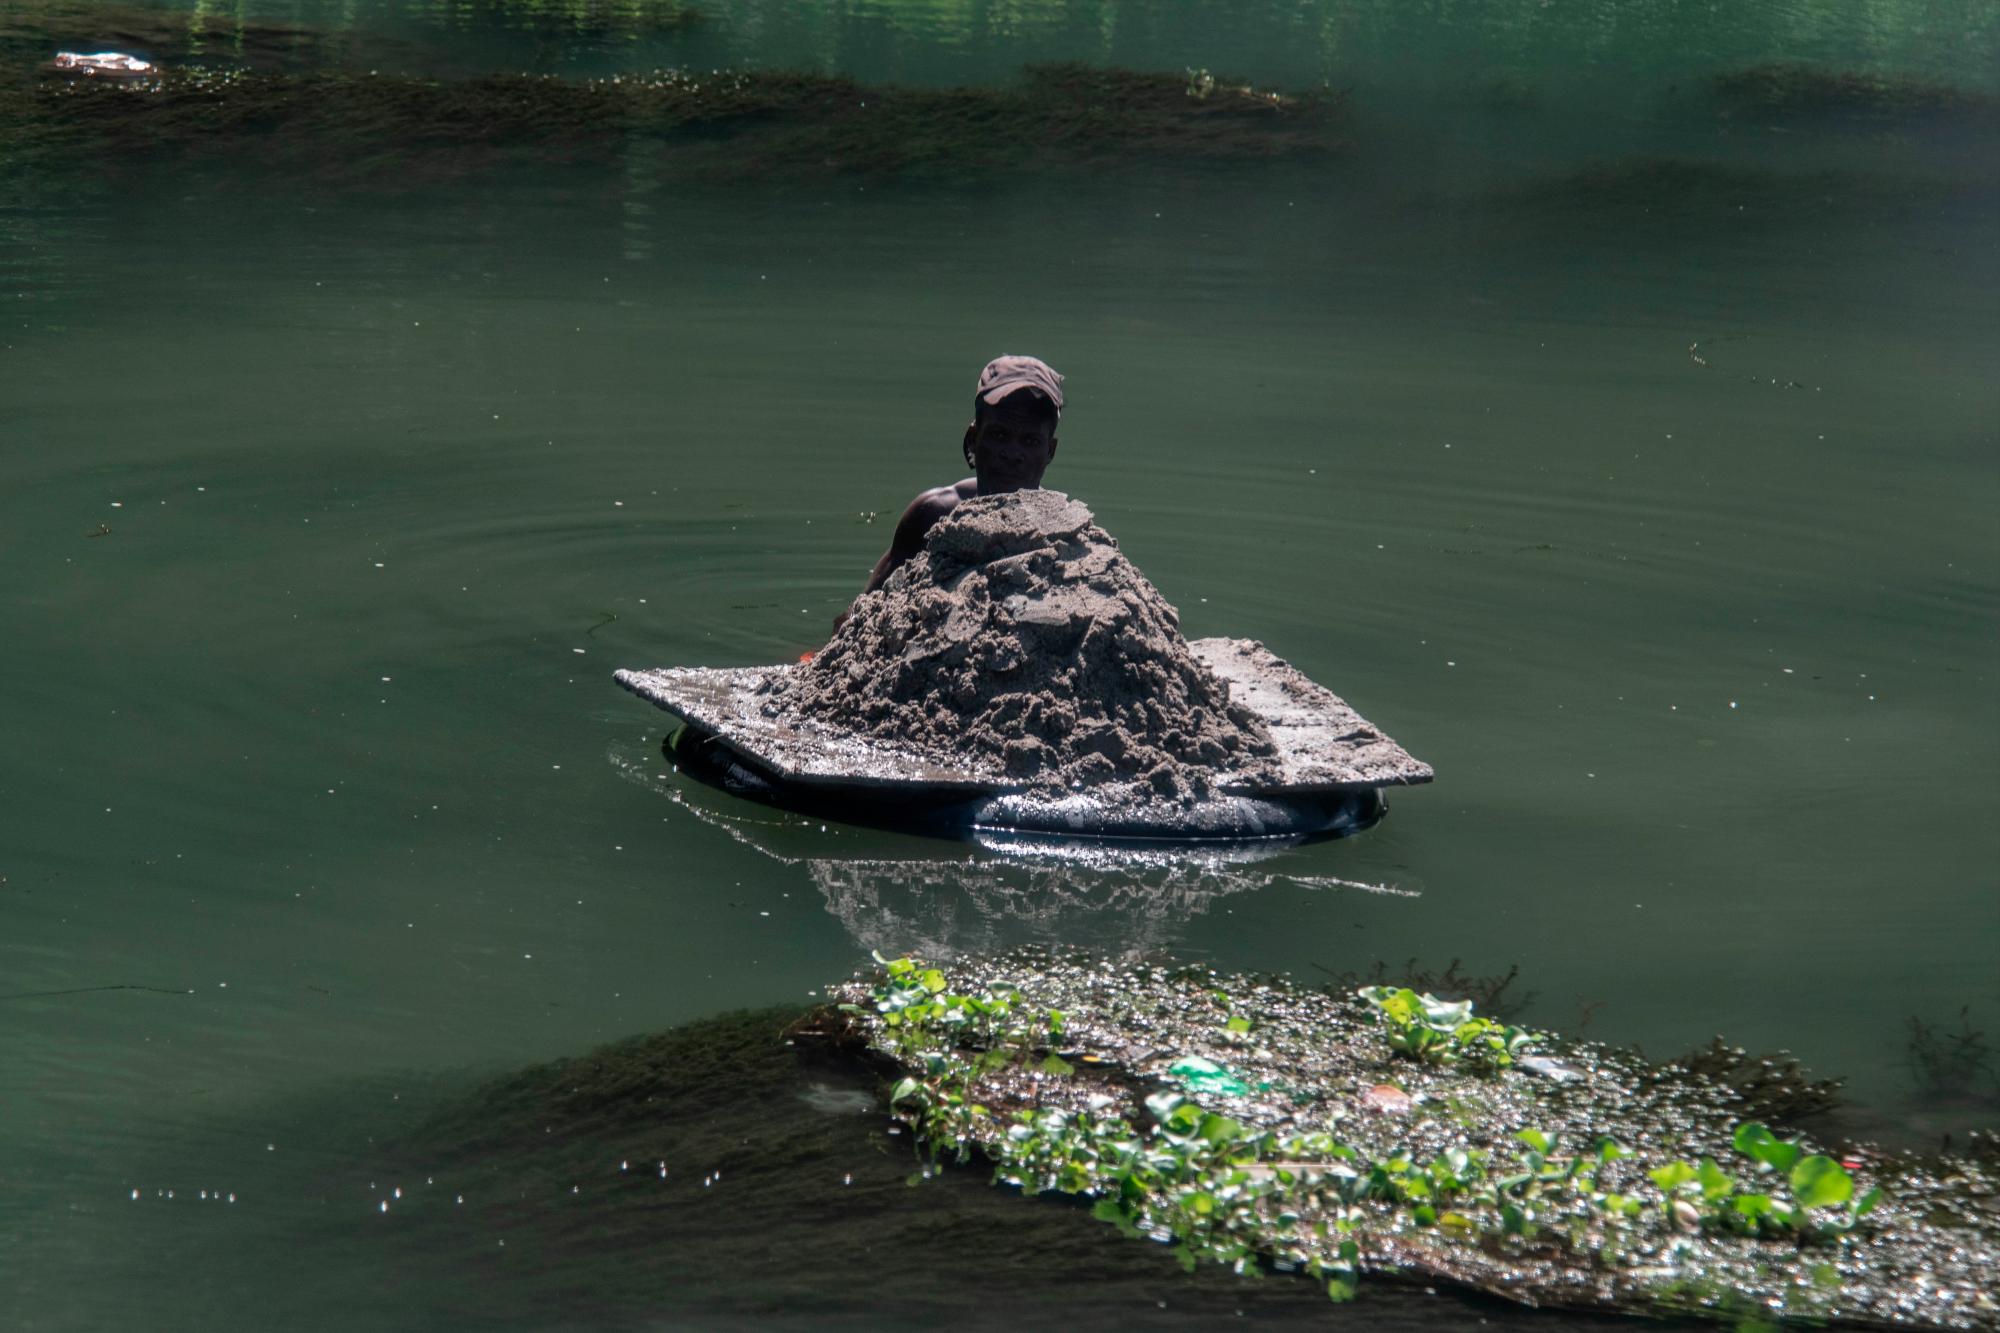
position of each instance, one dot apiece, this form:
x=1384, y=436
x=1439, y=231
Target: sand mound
x=1022, y=635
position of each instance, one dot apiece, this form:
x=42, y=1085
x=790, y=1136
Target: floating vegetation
x=1445, y=1032
x=1799, y=89
x=1264, y=1126
x=717, y=123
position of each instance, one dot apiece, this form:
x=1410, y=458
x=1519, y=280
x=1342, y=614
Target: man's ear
x=971, y=434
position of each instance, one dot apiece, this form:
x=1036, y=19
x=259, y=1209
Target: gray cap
x=1004, y=374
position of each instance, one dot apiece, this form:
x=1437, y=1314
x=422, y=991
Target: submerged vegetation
x=1774, y=1087
x=1952, y=1060
x=736, y=124
x=1260, y=1126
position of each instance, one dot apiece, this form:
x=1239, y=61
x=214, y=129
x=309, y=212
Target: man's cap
x=1004, y=374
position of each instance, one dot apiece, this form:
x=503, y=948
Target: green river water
x=1625, y=451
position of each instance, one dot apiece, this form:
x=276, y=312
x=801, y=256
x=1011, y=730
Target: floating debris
x=109, y=64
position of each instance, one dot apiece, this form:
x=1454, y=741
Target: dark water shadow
x=711, y=1176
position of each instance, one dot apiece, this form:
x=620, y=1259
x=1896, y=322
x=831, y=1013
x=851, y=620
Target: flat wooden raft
x=1323, y=744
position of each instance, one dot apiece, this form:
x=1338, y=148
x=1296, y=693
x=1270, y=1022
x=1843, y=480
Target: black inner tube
x=958, y=815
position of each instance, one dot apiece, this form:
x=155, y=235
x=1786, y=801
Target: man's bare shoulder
x=946, y=498
x=934, y=504
x=917, y=521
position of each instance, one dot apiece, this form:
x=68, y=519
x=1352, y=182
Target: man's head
x=1015, y=411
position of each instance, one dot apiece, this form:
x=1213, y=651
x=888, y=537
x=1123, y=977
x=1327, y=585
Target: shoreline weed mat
x=1268, y=1127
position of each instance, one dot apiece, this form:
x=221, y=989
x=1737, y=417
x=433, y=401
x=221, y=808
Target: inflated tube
x=1220, y=818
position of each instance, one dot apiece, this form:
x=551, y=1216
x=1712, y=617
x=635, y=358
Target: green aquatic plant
x=1111, y=1086
x=1808, y=1195
x=1491, y=993
x=1187, y=1174
x=1436, y=1031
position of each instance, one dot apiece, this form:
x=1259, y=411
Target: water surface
x=1626, y=454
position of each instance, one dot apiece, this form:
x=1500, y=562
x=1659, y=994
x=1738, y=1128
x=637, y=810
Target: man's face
x=1009, y=448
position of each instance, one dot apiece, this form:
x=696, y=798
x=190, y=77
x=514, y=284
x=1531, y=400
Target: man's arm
x=911, y=529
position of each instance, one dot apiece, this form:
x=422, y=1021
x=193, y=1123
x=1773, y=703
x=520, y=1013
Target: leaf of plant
x=1715, y=1182
x=1220, y=1129
x=1444, y=1013
x=1672, y=1176
x=1819, y=1182
x=1756, y=1141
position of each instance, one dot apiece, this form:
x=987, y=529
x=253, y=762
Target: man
x=1008, y=446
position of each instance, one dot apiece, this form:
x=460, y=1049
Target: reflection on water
x=905, y=896
x=1481, y=50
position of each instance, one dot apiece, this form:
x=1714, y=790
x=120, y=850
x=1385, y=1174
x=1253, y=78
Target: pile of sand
x=1021, y=636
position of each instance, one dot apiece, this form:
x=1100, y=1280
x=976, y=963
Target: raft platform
x=1332, y=762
